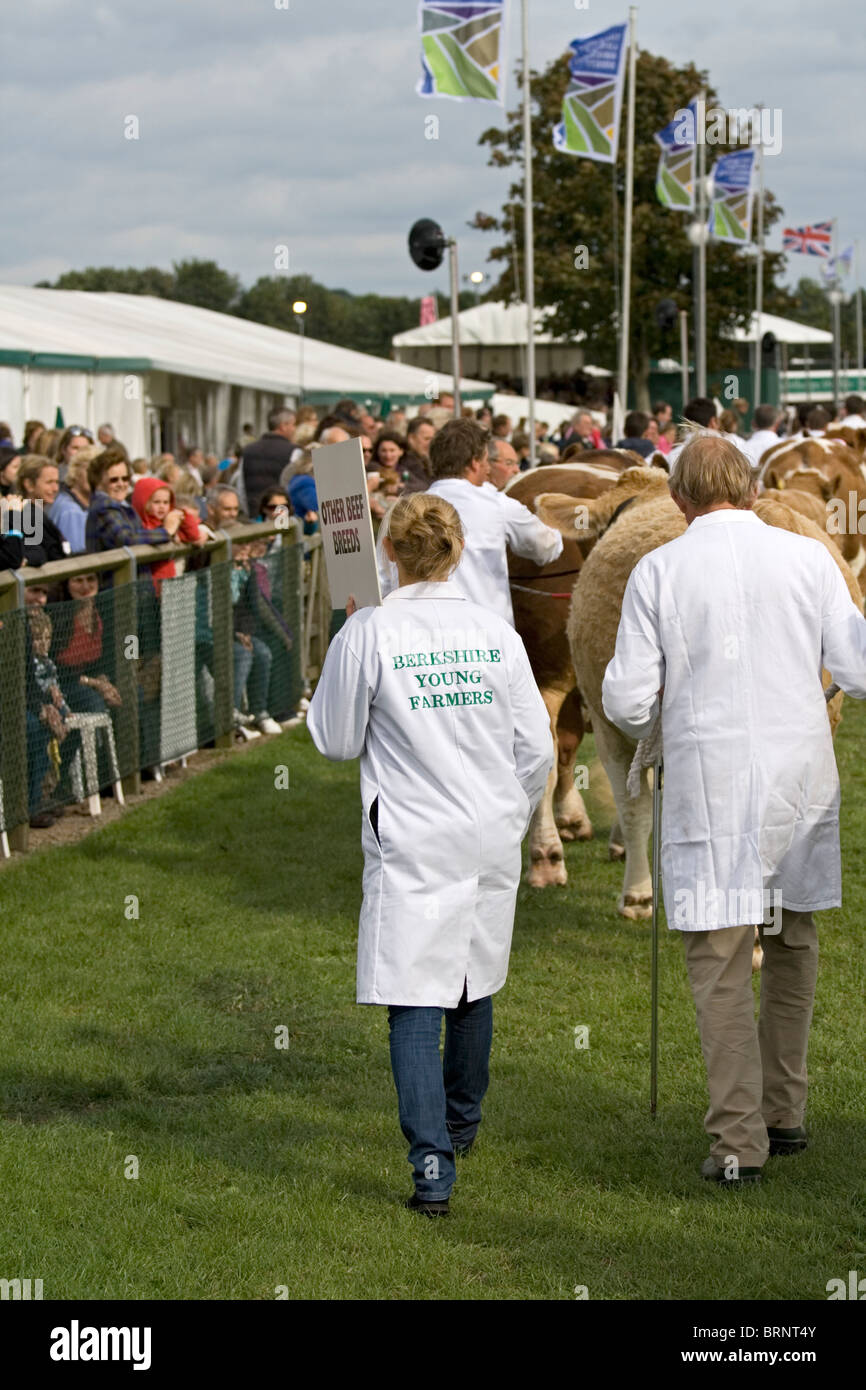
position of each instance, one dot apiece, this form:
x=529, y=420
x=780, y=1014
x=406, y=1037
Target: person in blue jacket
x=302, y=495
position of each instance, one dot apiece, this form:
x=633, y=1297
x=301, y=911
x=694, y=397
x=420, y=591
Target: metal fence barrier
x=99, y=683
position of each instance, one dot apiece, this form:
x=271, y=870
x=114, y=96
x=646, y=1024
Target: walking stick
x=654, y=967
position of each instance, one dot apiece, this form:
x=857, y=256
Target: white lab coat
x=456, y=784
x=758, y=444
x=491, y=521
x=736, y=619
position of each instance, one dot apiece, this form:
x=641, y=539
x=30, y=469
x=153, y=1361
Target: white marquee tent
x=784, y=330
x=161, y=371
x=492, y=334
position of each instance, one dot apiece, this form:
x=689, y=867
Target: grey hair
x=215, y=493
x=710, y=470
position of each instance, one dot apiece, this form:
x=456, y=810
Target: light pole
x=299, y=308
x=835, y=297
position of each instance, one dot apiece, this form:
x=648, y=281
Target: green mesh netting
x=95, y=689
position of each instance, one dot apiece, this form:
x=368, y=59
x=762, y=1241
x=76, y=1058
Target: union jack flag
x=809, y=241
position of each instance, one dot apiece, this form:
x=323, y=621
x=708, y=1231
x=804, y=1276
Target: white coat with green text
x=436, y=696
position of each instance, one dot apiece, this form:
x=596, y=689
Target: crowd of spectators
x=90, y=497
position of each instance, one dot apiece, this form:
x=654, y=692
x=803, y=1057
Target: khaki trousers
x=756, y=1073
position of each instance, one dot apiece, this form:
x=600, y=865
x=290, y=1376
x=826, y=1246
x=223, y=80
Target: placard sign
x=346, y=523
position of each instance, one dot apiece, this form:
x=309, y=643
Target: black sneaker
x=787, y=1141
x=431, y=1209
x=715, y=1172
x=44, y=820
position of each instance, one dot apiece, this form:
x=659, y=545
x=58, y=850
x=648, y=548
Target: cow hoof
x=636, y=906
x=757, y=957
x=616, y=852
x=579, y=830
x=547, y=873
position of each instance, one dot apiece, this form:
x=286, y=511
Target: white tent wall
x=483, y=361
x=11, y=399
x=517, y=408
x=48, y=390
x=118, y=400
x=86, y=398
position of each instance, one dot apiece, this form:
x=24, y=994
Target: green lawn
x=261, y=1167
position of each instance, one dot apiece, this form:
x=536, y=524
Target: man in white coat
x=855, y=413
x=437, y=697
x=491, y=520
x=731, y=624
x=763, y=436
x=702, y=413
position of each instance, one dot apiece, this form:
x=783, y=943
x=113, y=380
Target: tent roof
x=785, y=330
x=488, y=325
x=504, y=325
x=137, y=333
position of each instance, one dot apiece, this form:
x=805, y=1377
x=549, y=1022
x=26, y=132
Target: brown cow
x=650, y=521
x=540, y=597
x=830, y=470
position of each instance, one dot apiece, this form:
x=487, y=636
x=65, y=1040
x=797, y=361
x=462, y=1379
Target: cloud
x=261, y=126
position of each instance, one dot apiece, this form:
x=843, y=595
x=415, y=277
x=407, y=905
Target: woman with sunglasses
x=74, y=438
x=274, y=503
x=111, y=518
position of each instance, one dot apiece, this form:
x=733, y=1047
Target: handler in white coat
x=437, y=697
x=491, y=520
x=733, y=622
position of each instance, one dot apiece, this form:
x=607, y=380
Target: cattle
x=854, y=438
x=540, y=597
x=650, y=520
x=832, y=471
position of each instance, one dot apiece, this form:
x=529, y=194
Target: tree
x=573, y=201
x=206, y=285
x=151, y=280
x=812, y=306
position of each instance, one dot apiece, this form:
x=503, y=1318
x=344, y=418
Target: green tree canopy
x=812, y=306
x=107, y=279
x=206, y=285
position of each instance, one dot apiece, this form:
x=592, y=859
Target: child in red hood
x=152, y=500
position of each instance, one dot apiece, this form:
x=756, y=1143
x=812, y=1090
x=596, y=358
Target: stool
x=87, y=782
x=4, y=838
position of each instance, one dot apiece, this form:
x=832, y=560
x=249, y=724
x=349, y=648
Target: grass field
x=154, y=1038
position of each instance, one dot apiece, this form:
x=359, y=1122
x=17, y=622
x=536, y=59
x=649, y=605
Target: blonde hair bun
x=427, y=536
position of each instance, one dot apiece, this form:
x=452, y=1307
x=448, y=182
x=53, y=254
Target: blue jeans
x=253, y=671
x=440, y=1098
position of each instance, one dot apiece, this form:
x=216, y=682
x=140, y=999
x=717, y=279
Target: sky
x=261, y=125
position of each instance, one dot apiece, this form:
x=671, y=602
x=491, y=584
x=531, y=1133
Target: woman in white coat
x=436, y=696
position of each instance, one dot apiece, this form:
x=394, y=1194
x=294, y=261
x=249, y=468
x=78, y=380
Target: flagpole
x=836, y=300
x=684, y=356
x=701, y=306
x=859, y=317
x=455, y=323
x=528, y=232
x=759, y=277
x=625, y=323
